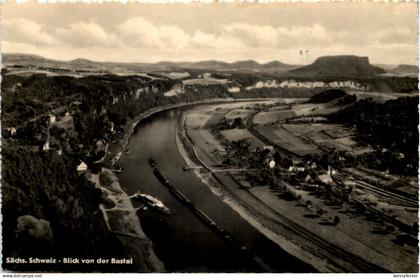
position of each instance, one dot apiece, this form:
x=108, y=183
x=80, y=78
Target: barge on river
x=151, y=202
x=225, y=235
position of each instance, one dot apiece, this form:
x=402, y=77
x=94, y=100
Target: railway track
x=328, y=250
x=331, y=249
x=410, y=202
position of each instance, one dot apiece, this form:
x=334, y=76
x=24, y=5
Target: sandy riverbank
x=284, y=222
x=122, y=220
x=120, y=215
x=184, y=146
x=115, y=150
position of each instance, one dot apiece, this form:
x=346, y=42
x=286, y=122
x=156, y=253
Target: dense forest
x=48, y=207
x=391, y=127
x=327, y=96
x=50, y=211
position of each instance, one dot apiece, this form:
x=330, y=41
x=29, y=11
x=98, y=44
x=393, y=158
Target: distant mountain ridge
x=341, y=65
x=23, y=58
x=325, y=66
x=405, y=69
x=249, y=65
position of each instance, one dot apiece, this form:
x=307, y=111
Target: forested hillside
x=391, y=127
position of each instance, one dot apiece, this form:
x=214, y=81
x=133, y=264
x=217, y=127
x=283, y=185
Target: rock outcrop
x=343, y=65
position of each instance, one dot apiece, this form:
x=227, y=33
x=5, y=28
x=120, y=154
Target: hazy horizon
x=292, y=33
x=185, y=61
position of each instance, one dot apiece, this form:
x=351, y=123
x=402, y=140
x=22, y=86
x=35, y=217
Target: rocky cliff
x=344, y=65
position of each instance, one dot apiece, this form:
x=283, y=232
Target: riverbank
x=146, y=256
x=185, y=148
x=327, y=249
x=121, y=219
x=116, y=149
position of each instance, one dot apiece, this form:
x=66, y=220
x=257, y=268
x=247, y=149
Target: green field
x=288, y=141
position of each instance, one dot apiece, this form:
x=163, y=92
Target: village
x=319, y=186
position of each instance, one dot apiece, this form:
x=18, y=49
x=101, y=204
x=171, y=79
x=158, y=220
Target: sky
x=293, y=33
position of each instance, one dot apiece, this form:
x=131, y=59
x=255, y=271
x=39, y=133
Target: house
x=268, y=147
x=46, y=146
x=331, y=171
x=111, y=126
x=296, y=169
x=82, y=167
x=326, y=178
x=272, y=164
x=234, y=89
x=11, y=130
x=52, y=118
x=311, y=165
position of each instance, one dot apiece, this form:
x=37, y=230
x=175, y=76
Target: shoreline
x=116, y=150
x=152, y=263
x=181, y=139
x=260, y=209
x=121, y=219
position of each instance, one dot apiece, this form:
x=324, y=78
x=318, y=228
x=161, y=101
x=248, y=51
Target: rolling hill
x=405, y=70
x=248, y=65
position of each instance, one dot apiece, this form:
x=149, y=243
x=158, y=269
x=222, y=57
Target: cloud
x=203, y=40
x=148, y=41
x=173, y=37
x=138, y=32
x=386, y=36
x=395, y=35
x=253, y=35
x=266, y=36
x=85, y=34
x=26, y=31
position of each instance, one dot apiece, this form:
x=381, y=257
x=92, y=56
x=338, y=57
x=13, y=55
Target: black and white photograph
x=209, y=137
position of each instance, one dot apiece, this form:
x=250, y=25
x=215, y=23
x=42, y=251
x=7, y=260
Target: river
x=182, y=241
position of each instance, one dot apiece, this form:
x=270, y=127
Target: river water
x=182, y=241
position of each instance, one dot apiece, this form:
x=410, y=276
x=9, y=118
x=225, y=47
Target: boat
x=152, y=162
x=151, y=202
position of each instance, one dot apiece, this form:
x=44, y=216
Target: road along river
x=182, y=241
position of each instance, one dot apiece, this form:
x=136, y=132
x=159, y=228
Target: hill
x=405, y=70
x=25, y=59
x=398, y=120
x=248, y=65
x=327, y=96
x=82, y=62
x=278, y=66
x=339, y=66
